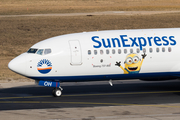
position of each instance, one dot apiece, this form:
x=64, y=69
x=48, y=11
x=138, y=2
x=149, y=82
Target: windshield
x=32, y=50
x=40, y=51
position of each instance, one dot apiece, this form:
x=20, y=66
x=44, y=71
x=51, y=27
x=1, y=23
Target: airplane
x=145, y=54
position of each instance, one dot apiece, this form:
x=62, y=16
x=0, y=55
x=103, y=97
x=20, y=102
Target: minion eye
x=129, y=60
x=135, y=59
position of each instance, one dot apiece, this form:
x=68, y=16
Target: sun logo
x=44, y=66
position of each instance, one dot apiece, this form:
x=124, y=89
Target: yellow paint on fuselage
x=133, y=66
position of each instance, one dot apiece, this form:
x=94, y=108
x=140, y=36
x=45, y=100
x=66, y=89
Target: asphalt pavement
x=91, y=94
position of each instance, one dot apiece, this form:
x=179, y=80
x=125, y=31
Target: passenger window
x=113, y=51
x=95, y=52
x=32, y=50
x=89, y=52
x=138, y=50
x=107, y=51
x=101, y=52
x=144, y=50
x=163, y=49
x=157, y=49
x=150, y=50
x=125, y=51
x=131, y=50
x=169, y=49
x=40, y=52
x=119, y=51
x=47, y=51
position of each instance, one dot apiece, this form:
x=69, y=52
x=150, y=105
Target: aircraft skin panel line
x=146, y=54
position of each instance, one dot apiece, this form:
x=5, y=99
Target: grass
x=69, y=6
x=17, y=35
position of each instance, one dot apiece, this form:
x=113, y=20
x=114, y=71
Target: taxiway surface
x=91, y=94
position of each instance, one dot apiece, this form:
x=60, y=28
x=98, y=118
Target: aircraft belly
x=82, y=78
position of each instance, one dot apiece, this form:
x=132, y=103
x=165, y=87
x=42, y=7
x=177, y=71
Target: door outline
x=76, y=53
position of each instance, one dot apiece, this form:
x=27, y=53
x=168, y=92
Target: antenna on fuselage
x=110, y=82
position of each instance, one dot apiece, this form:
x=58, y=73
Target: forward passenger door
x=76, y=54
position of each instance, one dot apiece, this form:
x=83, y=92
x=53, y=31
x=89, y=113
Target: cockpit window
x=47, y=51
x=40, y=51
x=32, y=50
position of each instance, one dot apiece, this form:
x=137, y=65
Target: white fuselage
x=94, y=56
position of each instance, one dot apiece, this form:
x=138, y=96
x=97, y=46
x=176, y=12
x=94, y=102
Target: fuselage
x=103, y=55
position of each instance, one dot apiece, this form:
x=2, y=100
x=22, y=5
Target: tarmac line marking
x=90, y=103
x=23, y=97
x=123, y=93
x=133, y=93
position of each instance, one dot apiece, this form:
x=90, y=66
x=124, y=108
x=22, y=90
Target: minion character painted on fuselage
x=132, y=63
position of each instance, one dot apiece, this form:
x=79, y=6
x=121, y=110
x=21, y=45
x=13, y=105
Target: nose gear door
x=76, y=54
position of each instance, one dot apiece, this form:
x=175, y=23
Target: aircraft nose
x=18, y=64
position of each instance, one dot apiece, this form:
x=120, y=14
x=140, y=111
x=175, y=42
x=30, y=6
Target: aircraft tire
x=57, y=92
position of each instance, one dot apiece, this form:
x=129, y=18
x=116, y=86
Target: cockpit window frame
x=36, y=51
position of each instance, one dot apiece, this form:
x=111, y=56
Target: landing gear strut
x=57, y=92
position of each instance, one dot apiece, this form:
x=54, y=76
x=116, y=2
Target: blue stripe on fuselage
x=160, y=75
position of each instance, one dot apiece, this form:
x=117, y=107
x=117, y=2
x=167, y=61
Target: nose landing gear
x=57, y=92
